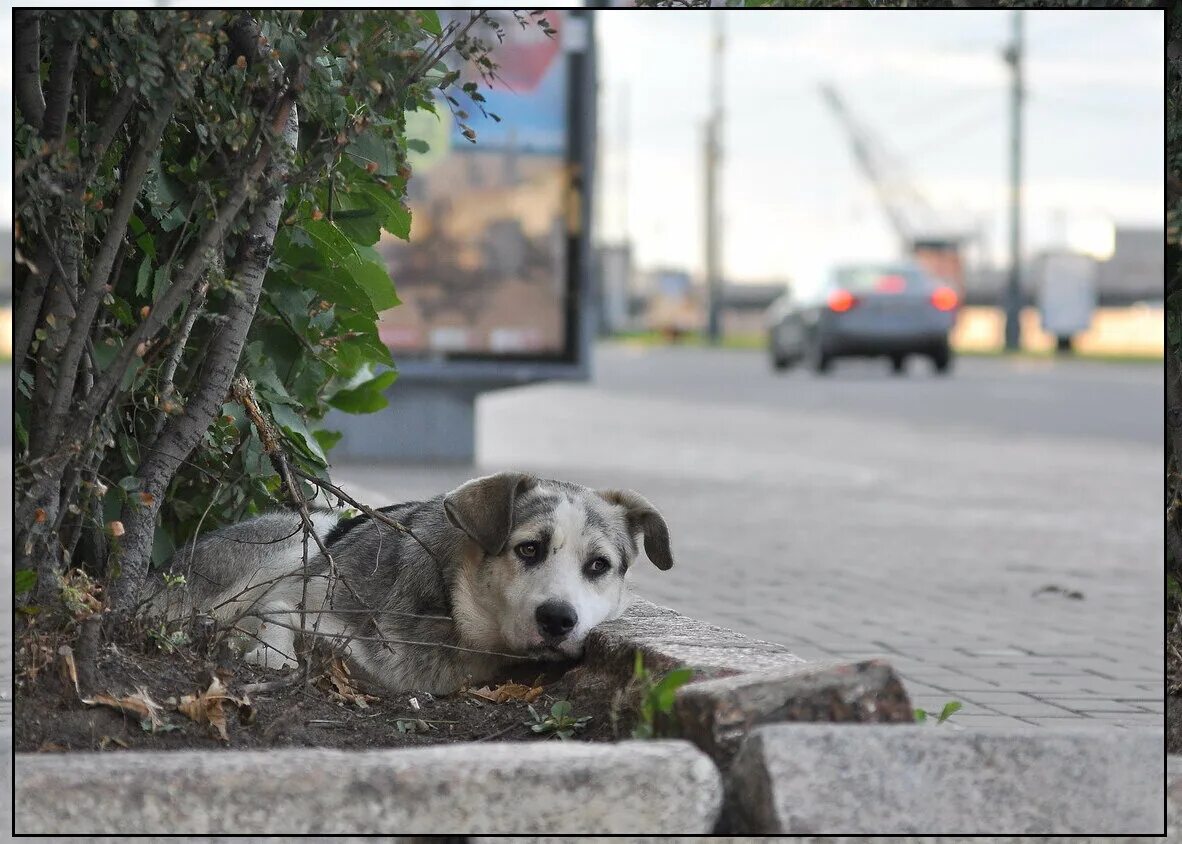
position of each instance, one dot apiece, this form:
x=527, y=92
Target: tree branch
x=96, y=286
x=181, y=433
x=62, y=60
x=30, y=299
x=106, y=132
x=26, y=71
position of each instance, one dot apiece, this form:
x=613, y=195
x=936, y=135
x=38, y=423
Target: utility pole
x=625, y=151
x=1013, y=57
x=713, y=159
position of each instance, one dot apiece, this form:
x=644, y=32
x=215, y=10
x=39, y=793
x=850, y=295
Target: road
x=937, y=522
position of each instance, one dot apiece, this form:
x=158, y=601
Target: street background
x=941, y=523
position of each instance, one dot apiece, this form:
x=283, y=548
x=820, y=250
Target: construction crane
x=907, y=210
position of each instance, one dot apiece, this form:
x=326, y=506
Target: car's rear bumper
x=866, y=344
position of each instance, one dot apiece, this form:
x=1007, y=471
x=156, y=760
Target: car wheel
x=898, y=364
x=819, y=361
x=782, y=364
x=942, y=360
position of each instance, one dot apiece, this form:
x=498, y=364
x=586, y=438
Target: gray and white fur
x=509, y=565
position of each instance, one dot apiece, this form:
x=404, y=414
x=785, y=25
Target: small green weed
x=560, y=722
x=950, y=708
x=168, y=642
x=656, y=696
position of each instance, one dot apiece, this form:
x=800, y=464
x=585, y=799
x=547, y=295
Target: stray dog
x=504, y=567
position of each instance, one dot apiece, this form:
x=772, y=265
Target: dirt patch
x=49, y=716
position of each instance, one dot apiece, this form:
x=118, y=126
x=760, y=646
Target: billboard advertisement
x=488, y=273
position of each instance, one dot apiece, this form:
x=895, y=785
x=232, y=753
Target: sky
x=932, y=87
x=930, y=84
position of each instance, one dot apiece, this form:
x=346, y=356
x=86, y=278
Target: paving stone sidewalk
x=856, y=538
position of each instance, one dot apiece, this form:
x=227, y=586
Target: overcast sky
x=930, y=84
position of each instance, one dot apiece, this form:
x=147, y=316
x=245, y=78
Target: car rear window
x=884, y=279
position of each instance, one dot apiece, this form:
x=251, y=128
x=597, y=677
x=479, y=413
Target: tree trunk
x=183, y=432
x=26, y=75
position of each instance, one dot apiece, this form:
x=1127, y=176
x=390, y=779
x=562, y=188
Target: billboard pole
x=1013, y=57
x=713, y=159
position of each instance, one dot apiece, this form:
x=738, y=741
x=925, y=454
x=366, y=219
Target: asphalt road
x=1058, y=398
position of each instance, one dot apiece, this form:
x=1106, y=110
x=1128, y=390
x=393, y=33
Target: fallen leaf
x=69, y=669
x=138, y=703
x=146, y=498
x=340, y=685
x=508, y=691
x=208, y=707
x=51, y=747
x=105, y=740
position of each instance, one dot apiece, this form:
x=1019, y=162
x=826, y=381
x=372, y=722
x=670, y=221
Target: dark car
x=890, y=310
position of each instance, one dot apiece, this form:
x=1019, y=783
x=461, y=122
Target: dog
x=502, y=568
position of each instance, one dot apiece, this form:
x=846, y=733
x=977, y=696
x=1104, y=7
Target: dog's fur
x=426, y=616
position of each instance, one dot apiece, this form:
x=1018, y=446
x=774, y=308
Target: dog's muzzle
x=556, y=619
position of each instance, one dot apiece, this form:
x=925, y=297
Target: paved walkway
x=955, y=551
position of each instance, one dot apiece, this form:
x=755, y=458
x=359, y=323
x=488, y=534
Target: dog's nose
x=556, y=618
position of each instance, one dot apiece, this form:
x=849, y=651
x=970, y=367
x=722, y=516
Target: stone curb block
x=523, y=788
x=717, y=714
x=668, y=640
x=822, y=779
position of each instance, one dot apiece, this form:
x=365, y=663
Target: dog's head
x=552, y=558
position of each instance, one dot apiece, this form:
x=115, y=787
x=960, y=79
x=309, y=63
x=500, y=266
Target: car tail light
x=841, y=301
x=891, y=284
x=944, y=298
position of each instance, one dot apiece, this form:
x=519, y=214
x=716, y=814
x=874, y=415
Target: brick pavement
x=846, y=537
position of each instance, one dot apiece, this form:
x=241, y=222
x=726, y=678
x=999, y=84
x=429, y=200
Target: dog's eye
x=597, y=567
x=527, y=550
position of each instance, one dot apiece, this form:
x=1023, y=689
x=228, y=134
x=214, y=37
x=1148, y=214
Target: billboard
x=491, y=271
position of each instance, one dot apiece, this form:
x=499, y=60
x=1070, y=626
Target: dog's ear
x=643, y=516
x=483, y=508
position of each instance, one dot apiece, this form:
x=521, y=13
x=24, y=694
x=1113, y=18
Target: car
x=864, y=310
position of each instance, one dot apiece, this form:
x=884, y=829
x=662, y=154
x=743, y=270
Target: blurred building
x=744, y=305
x=1134, y=273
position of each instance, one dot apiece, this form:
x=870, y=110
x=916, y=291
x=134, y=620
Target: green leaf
x=142, y=277
x=344, y=261
x=366, y=398
x=122, y=312
x=417, y=145
x=368, y=148
x=327, y=438
x=23, y=580
x=950, y=709
x=430, y=21
x=159, y=283
x=666, y=690
x=560, y=709
x=921, y=715
x=143, y=240
x=297, y=431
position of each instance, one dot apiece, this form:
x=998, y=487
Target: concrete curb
x=823, y=779
x=779, y=776
x=522, y=788
x=668, y=640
